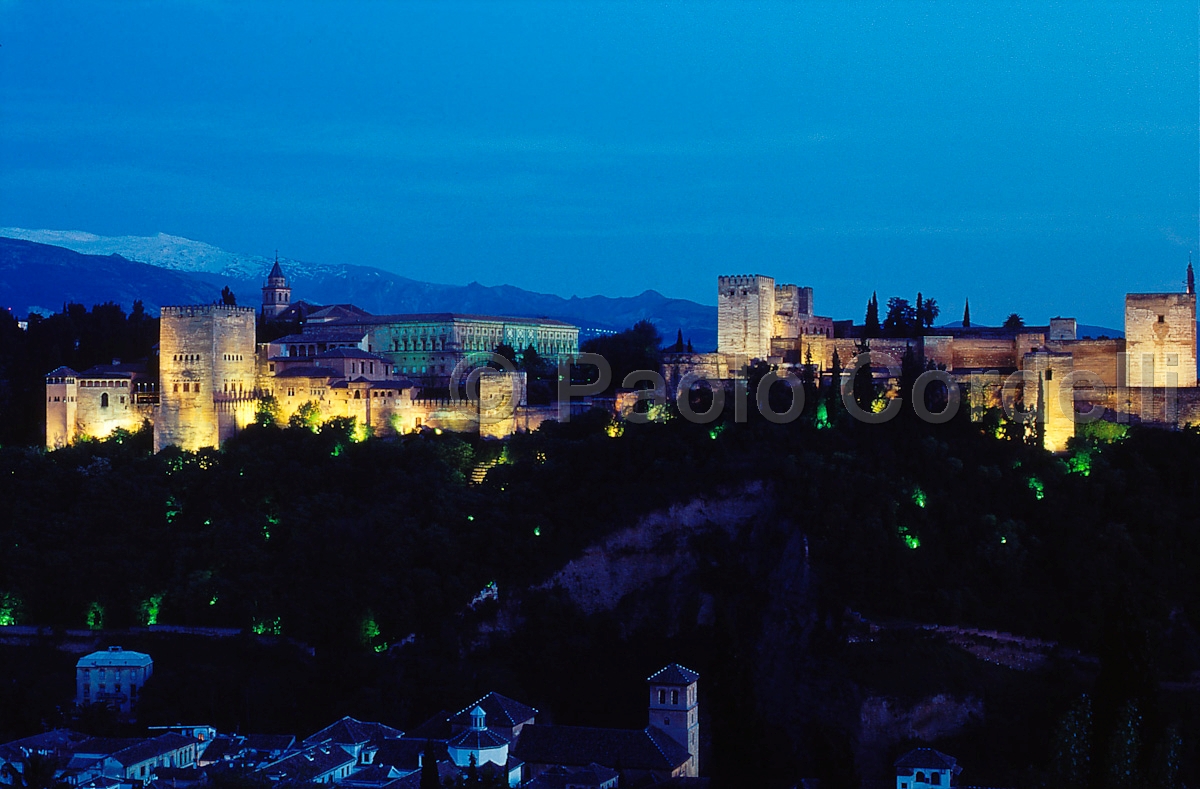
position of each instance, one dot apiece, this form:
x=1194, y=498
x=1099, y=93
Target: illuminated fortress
x=1149, y=375
x=389, y=372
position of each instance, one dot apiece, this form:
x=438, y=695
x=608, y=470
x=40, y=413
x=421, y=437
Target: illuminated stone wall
x=105, y=404
x=204, y=351
x=1160, y=339
x=1049, y=376
x=60, y=408
x=500, y=396
x=745, y=316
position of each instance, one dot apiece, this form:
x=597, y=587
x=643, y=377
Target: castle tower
x=276, y=295
x=61, y=390
x=206, y=356
x=1051, y=393
x=745, y=316
x=674, y=709
x=1160, y=339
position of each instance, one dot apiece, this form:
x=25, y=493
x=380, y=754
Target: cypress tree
x=678, y=342
x=429, y=772
x=871, y=324
x=920, y=314
x=967, y=314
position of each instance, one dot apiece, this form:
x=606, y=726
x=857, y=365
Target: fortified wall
x=204, y=351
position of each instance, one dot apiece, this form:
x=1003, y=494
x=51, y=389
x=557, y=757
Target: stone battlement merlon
x=742, y=279
x=192, y=310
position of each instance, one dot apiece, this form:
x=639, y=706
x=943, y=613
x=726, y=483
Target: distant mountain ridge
x=209, y=268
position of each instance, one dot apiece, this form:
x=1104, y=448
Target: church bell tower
x=674, y=709
x=276, y=295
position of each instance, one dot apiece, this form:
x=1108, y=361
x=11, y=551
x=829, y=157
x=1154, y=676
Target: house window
x=662, y=697
x=674, y=697
x=666, y=721
x=104, y=400
x=935, y=779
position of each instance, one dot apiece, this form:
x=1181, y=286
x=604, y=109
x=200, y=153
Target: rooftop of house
x=405, y=754
x=309, y=764
x=351, y=731
x=578, y=746
x=152, y=748
x=57, y=741
x=477, y=740
x=269, y=743
x=309, y=371
x=501, y=711
x=926, y=759
x=114, y=657
x=593, y=775
x=348, y=353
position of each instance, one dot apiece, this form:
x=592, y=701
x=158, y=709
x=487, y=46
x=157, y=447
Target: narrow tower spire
x=1191, y=276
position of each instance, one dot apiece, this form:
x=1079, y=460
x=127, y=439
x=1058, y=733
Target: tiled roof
x=309, y=764
x=405, y=754
x=501, y=711
x=673, y=674
x=114, y=657
x=559, y=777
x=126, y=370
x=58, y=740
x=350, y=731
x=151, y=748
x=309, y=372
x=276, y=272
x=61, y=371
x=322, y=332
x=218, y=748
x=927, y=759
x=350, y=353
x=105, y=746
x=621, y=749
x=436, y=728
x=477, y=740
x=371, y=774
x=269, y=742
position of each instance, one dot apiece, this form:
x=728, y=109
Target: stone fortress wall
x=1149, y=375
x=206, y=354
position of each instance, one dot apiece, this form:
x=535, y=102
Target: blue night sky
x=1039, y=157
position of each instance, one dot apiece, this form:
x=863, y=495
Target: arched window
x=674, y=697
x=920, y=777
x=104, y=400
x=935, y=779
x=357, y=395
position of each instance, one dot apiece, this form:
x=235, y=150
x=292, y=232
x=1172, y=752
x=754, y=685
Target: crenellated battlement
x=200, y=310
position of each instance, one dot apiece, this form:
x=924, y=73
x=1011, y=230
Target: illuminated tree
x=267, y=414
x=308, y=416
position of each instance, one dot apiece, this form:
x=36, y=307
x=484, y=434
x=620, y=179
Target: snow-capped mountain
x=209, y=268
x=162, y=250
